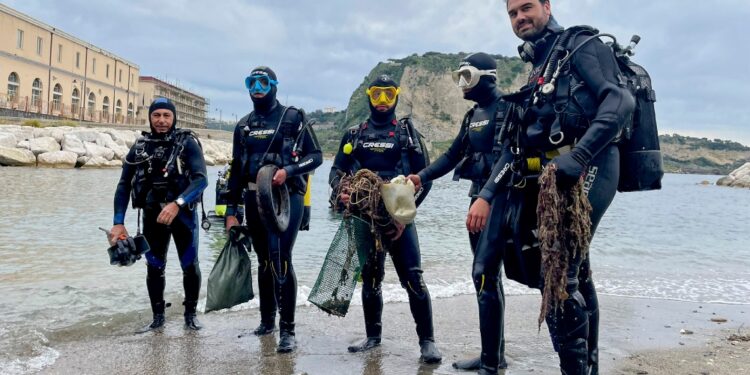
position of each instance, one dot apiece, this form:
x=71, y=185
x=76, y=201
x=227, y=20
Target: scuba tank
x=305, y=224
x=640, y=156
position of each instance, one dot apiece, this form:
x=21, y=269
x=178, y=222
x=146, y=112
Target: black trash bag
x=231, y=280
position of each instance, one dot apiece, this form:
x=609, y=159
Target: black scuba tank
x=640, y=155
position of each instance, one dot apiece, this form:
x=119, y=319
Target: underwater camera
x=128, y=250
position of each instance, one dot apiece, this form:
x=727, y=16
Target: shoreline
x=637, y=336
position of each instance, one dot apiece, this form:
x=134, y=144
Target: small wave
x=43, y=356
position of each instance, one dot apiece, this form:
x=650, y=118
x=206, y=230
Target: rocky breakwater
x=740, y=177
x=73, y=147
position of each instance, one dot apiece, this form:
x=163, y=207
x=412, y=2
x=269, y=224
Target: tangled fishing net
x=564, y=224
x=366, y=203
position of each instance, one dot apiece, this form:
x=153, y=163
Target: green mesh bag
x=341, y=269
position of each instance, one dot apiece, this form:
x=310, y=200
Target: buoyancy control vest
x=477, y=162
x=574, y=106
x=291, y=132
x=160, y=174
x=393, y=148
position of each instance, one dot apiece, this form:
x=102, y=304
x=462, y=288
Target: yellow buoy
x=348, y=148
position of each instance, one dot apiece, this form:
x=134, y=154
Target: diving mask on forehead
x=383, y=95
x=259, y=83
x=468, y=76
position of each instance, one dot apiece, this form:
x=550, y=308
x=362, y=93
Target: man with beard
x=570, y=114
x=166, y=173
x=388, y=147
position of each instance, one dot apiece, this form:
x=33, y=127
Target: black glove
x=570, y=168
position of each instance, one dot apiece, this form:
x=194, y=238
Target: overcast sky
x=697, y=53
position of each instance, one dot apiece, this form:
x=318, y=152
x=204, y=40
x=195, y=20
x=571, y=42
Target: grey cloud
x=696, y=51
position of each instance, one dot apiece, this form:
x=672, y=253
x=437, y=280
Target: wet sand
x=638, y=336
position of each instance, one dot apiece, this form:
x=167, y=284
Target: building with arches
x=46, y=71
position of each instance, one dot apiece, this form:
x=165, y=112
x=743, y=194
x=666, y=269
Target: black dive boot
x=159, y=318
x=372, y=306
x=430, y=353
x=574, y=358
x=267, y=299
x=287, y=342
x=371, y=341
x=475, y=363
x=366, y=344
x=191, y=321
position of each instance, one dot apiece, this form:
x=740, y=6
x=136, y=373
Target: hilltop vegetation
x=436, y=106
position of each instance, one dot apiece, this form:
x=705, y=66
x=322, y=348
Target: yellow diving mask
x=383, y=95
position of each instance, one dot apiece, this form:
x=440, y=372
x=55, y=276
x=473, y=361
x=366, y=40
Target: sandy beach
x=638, y=336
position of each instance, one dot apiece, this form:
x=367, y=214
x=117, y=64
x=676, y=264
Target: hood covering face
x=255, y=84
x=485, y=89
x=162, y=103
x=388, y=116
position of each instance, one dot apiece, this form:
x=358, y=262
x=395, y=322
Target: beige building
x=191, y=108
x=46, y=71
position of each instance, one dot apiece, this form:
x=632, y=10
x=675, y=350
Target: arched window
x=57, y=97
x=91, y=104
x=75, y=101
x=130, y=110
x=13, y=84
x=36, y=92
x=118, y=107
x=105, y=108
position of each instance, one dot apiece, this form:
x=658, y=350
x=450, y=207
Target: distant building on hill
x=46, y=72
x=191, y=108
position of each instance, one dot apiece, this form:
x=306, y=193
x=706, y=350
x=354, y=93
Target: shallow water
x=685, y=242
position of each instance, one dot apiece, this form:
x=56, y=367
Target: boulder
x=16, y=157
x=100, y=162
x=21, y=132
x=8, y=140
x=57, y=159
x=59, y=133
x=740, y=177
x=88, y=135
x=120, y=151
x=43, y=144
x=26, y=145
x=41, y=132
x=73, y=144
x=209, y=161
x=93, y=150
x=123, y=137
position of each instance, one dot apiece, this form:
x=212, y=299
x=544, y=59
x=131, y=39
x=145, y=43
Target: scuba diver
x=472, y=155
x=281, y=136
x=570, y=114
x=388, y=147
x=165, y=173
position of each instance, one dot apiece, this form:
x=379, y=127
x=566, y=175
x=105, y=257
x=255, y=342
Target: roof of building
x=160, y=82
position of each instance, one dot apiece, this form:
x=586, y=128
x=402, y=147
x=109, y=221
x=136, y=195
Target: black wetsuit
x=586, y=147
x=378, y=147
x=154, y=190
x=472, y=155
x=263, y=133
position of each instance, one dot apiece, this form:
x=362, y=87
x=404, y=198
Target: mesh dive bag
x=341, y=269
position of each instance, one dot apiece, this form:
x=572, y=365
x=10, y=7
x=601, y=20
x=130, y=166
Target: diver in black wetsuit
x=572, y=122
x=166, y=173
x=389, y=148
x=279, y=135
x=472, y=154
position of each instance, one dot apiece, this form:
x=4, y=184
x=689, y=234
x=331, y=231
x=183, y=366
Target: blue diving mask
x=259, y=84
